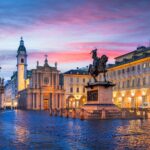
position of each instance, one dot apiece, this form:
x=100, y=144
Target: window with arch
x=22, y=60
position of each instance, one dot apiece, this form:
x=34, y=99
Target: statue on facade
x=98, y=66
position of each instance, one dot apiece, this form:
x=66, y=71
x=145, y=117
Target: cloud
x=72, y=28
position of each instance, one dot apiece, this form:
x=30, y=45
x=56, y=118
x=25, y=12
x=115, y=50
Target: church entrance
x=46, y=101
x=45, y=104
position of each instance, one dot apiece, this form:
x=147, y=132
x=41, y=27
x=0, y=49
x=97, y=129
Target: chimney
x=37, y=63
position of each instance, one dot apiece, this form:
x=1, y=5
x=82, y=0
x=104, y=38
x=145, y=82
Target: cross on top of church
x=46, y=61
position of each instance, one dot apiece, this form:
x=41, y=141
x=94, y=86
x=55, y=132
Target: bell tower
x=21, y=65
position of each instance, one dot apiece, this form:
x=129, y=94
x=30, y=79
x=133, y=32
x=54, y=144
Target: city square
x=71, y=81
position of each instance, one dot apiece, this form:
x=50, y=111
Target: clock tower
x=21, y=66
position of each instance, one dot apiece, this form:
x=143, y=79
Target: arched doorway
x=71, y=102
x=82, y=101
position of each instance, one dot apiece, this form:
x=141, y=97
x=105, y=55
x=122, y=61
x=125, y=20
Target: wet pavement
x=37, y=130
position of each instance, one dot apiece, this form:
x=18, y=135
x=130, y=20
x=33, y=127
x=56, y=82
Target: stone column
x=41, y=101
x=53, y=100
x=38, y=101
x=56, y=101
x=52, y=80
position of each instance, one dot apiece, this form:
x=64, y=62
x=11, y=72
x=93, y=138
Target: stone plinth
x=99, y=101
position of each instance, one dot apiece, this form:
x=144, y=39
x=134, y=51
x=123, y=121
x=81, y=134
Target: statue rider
x=95, y=58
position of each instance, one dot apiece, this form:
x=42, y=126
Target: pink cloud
x=73, y=56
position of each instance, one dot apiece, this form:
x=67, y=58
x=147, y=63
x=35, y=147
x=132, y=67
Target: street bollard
x=82, y=114
x=67, y=113
x=103, y=114
x=123, y=114
x=61, y=112
x=73, y=113
x=55, y=112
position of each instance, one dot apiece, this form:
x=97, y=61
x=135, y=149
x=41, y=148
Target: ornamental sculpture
x=98, y=66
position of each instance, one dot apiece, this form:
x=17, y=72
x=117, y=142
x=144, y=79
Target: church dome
x=21, y=46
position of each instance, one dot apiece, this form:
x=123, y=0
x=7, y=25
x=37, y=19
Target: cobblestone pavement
x=37, y=130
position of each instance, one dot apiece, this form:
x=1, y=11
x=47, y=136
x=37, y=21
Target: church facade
x=43, y=91
x=36, y=89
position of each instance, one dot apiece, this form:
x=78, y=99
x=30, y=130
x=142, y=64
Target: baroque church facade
x=36, y=89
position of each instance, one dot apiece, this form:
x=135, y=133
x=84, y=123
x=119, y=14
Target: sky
x=67, y=30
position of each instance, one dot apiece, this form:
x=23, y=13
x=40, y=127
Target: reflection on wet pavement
x=37, y=130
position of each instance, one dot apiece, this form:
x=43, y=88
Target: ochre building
x=131, y=74
x=74, y=85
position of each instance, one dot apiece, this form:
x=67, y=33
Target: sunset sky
x=67, y=30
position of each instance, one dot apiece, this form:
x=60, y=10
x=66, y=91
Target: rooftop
x=77, y=71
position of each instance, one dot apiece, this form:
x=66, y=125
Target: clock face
x=46, y=80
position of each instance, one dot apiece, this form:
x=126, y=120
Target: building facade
x=36, y=89
x=43, y=91
x=1, y=93
x=74, y=85
x=131, y=74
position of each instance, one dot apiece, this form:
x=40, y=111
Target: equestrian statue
x=98, y=66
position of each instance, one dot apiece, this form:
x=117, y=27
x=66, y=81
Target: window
x=128, y=83
x=122, y=70
x=118, y=85
x=119, y=72
x=46, y=80
x=133, y=83
x=71, y=90
x=133, y=68
x=138, y=82
x=83, y=89
x=114, y=73
x=123, y=84
x=128, y=70
x=77, y=90
x=77, y=80
x=138, y=67
x=83, y=80
x=144, y=81
x=22, y=60
x=144, y=65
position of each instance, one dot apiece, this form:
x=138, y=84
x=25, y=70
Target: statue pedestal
x=99, y=101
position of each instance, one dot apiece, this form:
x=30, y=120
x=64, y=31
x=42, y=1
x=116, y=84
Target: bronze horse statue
x=98, y=66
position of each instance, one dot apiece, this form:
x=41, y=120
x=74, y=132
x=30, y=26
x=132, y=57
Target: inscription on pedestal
x=92, y=95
